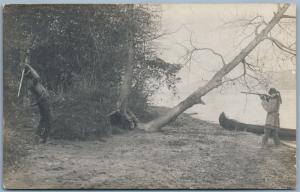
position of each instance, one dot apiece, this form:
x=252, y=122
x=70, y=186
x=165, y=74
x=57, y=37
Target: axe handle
x=21, y=82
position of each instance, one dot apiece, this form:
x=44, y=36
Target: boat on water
x=233, y=125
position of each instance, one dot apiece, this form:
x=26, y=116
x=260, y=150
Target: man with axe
x=42, y=99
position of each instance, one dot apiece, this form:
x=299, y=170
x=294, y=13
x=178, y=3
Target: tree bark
x=123, y=117
x=195, y=97
x=127, y=77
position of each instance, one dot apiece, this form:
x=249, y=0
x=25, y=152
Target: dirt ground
x=189, y=153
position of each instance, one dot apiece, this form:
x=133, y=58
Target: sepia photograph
x=149, y=96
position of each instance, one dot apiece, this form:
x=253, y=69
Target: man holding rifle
x=271, y=104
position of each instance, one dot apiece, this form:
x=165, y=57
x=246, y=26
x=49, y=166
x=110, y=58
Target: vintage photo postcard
x=149, y=96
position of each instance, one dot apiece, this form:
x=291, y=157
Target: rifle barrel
x=250, y=93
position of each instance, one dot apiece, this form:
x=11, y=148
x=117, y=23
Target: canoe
x=233, y=125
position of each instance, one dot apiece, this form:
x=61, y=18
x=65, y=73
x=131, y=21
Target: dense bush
x=80, y=52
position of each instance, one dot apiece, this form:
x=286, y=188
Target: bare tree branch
x=162, y=34
x=245, y=22
x=285, y=30
x=289, y=16
x=232, y=79
x=212, y=51
x=216, y=80
x=281, y=45
x=242, y=78
x=258, y=26
x=251, y=23
x=278, y=7
x=194, y=49
x=250, y=66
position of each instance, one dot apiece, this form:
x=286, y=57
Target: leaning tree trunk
x=195, y=97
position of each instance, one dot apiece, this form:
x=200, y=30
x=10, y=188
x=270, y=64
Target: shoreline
x=187, y=154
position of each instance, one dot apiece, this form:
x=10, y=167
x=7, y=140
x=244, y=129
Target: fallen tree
x=214, y=82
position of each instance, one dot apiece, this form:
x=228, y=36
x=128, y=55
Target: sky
x=214, y=26
x=217, y=26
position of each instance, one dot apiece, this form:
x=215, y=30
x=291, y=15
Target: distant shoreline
x=238, y=106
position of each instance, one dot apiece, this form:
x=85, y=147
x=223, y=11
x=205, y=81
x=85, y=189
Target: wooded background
x=80, y=54
x=80, y=51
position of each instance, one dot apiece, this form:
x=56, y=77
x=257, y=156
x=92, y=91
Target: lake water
x=237, y=106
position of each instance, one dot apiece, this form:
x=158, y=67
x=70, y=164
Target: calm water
x=238, y=106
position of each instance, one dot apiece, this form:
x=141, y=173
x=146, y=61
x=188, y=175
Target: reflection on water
x=237, y=106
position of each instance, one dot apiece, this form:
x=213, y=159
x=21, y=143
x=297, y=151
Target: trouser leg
x=43, y=130
x=45, y=134
x=275, y=137
x=45, y=115
x=266, y=136
x=40, y=128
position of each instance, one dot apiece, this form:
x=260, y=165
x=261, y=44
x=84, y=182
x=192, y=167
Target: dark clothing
x=45, y=119
x=42, y=101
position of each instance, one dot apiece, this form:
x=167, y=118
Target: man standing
x=42, y=101
x=271, y=104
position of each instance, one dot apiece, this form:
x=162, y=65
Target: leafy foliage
x=84, y=46
x=80, y=52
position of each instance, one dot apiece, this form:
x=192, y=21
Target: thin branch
x=281, y=46
x=157, y=36
x=251, y=21
x=233, y=79
x=278, y=7
x=289, y=16
x=244, y=22
x=258, y=26
x=244, y=67
x=253, y=77
x=212, y=51
x=244, y=76
x=250, y=66
x=285, y=30
x=294, y=43
x=194, y=49
x=246, y=37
